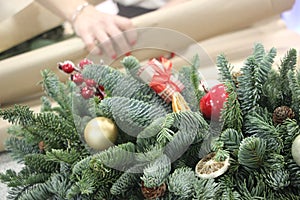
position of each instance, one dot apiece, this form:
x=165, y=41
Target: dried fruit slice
x=208, y=167
x=178, y=103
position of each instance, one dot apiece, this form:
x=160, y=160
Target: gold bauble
x=100, y=133
x=296, y=150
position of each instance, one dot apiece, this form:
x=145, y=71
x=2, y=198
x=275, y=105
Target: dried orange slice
x=208, y=167
x=178, y=103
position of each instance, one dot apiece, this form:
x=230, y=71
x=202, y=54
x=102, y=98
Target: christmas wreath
x=148, y=133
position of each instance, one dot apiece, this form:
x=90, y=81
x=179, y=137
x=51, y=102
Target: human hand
x=95, y=27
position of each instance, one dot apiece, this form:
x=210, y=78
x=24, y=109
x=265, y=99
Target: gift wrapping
x=158, y=75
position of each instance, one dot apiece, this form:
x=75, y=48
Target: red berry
x=90, y=83
x=87, y=92
x=100, y=94
x=77, y=78
x=212, y=103
x=101, y=88
x=67, y=66
x=84, y=62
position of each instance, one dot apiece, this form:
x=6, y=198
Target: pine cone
x=282, y=113
x=153, y=193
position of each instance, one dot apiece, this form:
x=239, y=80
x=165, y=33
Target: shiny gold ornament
x=100, y=133
x=296, y=150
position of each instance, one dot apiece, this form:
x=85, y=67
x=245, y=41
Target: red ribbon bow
x=162, y=78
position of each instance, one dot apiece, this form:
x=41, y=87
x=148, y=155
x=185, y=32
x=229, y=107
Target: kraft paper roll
x=212, y=17
x=27, y=23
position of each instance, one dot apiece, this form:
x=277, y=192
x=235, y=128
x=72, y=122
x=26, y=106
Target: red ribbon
x=162, y=78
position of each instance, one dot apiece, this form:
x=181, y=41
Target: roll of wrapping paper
x=212, y=17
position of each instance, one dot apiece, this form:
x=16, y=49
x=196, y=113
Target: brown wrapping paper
x=27, y=23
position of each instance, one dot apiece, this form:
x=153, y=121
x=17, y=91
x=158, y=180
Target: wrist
x=78, y=11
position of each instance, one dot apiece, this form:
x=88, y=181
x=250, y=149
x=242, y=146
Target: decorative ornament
x=213, y=101
x=100, y=133
x=77, y=78
x=179, y=103
x=282, y=113
x=208, y=167
x=154, y=193
x=88, y=87
x=296, y=150
x=84, y=62
x=67, y=66
x=87, y=92
x=158, y=74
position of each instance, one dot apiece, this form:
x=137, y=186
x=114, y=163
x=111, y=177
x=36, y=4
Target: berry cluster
x=88, y=87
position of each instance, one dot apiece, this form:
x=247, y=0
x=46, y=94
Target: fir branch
x=205, y=189
x=247, y=92
x=19, y=147
x=106, y=76
x=66, y=156
x=18, y=115
x=192, y=128
x=117, y=157
x=231, y=114
x=40, y=164
x=277, y=179
x=288, y=63
x=189, y=76
x=225, y=70
x=295, y=90
x=131, y=115
x=59, y=185
x=35, y=192
x=252, y=152
x=255, y=73
x=81, y=166
x=252, y=187
x=131, y=65
x=294, y=174
x=181, y=182
x=149, y=153
x=156, y=173
x=272, y=95
x=126, y=181
x=231, y=139
x=58, y=91
x=195, y=77
x=258, y=127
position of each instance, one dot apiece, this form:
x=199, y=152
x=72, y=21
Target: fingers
x=119, y=39
x=126, y=25
x=106, y=30
x=91, y=44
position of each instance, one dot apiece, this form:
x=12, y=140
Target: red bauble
x=87, y=92
x=212, y=103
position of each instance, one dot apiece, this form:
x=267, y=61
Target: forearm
x=67, y=11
